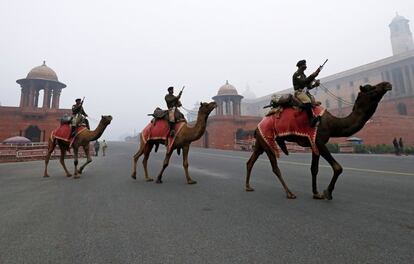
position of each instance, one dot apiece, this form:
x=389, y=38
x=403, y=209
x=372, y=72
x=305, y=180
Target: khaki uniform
x=78, y=115
x=301, y=85
x=173, y=102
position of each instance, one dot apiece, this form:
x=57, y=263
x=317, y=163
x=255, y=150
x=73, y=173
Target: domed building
x=228, y=129
x=38, y=112
x=228, y=100
x=38, y=79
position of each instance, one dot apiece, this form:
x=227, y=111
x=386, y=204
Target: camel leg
x=147, y=152
x=88, y=158
x=186, y=149
x=75, y=162
x=258, y=150
x=135, y=159
x=164, y=166
x=62, y=162
x=314, y=171
x=337, y=169
x=276, y=170
x=51, y=147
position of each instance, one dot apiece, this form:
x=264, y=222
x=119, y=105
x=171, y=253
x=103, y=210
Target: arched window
x=402, y=109
x=33, y=133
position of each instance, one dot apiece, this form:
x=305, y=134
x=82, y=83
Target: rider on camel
x=78, y=116
x=173, y=102
x=302, y=85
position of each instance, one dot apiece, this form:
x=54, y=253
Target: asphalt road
x=106, y=217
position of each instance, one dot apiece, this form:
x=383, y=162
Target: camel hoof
x=79, y=171
x=318, y=196
x=69, y=175
x=327, y=195
x=191, y=182
x=46, y=176
x=249, y=189
x=134, y=176
x=291, y=196
x=149, y=179
x=158, y=181
x=76, y=177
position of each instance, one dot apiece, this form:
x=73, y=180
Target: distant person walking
x=401, y=146
x=96, y=146
x=396, y=147
x=104, y=146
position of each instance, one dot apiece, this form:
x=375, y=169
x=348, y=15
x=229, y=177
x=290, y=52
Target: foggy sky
x=122, y=55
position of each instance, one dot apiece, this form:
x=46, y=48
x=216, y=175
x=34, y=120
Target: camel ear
x=201, y=103
x=101, y=116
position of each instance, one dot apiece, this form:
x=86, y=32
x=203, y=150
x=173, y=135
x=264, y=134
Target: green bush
x=333, y=147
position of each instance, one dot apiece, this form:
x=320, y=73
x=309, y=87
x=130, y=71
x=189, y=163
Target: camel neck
x=199, y=128
x=354, y=122
x=97, y=133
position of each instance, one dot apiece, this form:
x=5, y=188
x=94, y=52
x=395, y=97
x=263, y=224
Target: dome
x=227, y=89
x=42, y=72
x=398, y=18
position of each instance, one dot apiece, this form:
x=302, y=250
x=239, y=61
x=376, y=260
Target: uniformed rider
x=78, y=115
x=173, y=102
x=302, y=84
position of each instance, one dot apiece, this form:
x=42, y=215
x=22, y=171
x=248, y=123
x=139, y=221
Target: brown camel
x=330, y=126
x=81, y=140
x=183, y=139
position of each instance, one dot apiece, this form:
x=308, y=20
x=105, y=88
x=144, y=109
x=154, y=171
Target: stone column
x=45, y=96
x=23, y=97
x=56, y=98
x=228, y=112
x=31, y=96
x=36, y=98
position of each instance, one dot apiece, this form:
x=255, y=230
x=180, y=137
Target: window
x=351, y=83
x=327, y=103
x=402, y=109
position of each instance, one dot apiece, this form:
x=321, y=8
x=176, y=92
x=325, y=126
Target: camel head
x=207, y=108
x=370, y=95
x=106, y=120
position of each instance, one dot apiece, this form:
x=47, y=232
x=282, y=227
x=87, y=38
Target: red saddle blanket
x=64, y=132
x=159, y=129
x=290, y=121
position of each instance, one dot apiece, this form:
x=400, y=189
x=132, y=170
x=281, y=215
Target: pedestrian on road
x=401, y=145
x=396, y=147
x=104, y=146
x=96, y=146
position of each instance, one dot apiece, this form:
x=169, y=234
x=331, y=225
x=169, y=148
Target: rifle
x=83, y=99
x=321, y=66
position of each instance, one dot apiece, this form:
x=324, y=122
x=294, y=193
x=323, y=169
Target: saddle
x=163, y=114
x=288, y=100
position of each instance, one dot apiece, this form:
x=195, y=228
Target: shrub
x=333, y=147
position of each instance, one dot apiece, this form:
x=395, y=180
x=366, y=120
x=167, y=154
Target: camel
x=183, y=139
x=81, y=140
x=330, y=126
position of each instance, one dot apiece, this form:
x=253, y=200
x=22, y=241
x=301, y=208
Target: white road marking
x=308, y=165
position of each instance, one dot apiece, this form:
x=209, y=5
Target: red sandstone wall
x=221, y=130
x=15, y=120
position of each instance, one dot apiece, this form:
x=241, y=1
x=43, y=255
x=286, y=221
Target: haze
x=122, y=55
